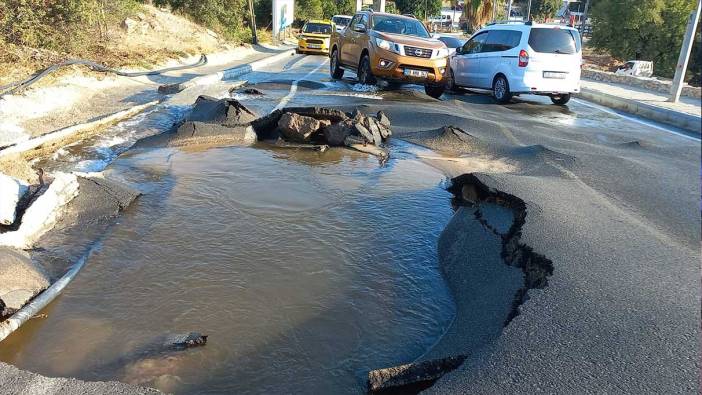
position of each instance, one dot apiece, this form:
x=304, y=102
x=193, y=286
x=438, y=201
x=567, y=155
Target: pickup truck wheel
x=560, y=99
x=334, y=69
x=434, y=91
x=500, y=89
x=365, y=74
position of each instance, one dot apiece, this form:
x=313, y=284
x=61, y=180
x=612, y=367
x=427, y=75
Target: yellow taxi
x=315, y=37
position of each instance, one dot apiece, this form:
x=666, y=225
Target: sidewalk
x=686, y=114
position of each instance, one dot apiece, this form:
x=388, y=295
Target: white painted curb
x=225, y=74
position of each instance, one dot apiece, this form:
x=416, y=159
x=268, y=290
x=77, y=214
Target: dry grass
x=599, y=60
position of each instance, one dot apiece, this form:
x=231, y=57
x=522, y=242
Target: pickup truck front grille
x=417, y=52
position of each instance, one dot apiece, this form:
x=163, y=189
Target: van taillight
x=523, y=58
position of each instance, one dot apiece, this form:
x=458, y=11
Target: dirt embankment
x=146, y=37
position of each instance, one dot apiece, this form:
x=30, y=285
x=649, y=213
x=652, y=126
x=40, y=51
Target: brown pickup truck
x=391, y=47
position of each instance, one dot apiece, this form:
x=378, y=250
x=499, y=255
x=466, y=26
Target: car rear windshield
x=554, y=40
x=341, y=21
x=318, y=28
x=395, y=25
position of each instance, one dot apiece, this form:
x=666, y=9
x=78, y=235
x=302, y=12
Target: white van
x=520, y=58
x=341, y=21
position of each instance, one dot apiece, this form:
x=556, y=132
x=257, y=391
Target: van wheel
x=500, y=89
x=434, y=91
x=365, y=74
x=334, y=69
x=560, y=99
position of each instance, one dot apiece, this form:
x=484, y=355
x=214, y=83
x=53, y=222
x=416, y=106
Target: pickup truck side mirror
x=359, y=27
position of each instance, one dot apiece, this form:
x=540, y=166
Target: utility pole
x=684, y=57
x=252, y=20
x=584, y=20
x=509, y=10
x=529, y=11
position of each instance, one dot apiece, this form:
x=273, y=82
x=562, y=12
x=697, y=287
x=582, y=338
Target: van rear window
x=554, y=40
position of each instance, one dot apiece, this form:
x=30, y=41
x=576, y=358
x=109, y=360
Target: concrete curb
x=689, y=122
x=225, y=74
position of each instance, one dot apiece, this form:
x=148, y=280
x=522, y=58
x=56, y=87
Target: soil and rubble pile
x=319, y=126
x=227, y=121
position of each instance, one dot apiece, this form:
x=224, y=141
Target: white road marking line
x=631, y=118
x=293, y=88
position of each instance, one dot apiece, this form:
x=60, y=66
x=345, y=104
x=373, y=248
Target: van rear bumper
x=534, y=82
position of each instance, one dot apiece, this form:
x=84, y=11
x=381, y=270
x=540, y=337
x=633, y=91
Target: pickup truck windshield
x=395, y=25
x=317, y=28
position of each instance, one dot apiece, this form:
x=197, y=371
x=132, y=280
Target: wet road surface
x=612, y=201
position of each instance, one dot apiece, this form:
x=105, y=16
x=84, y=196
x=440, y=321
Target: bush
x=223, y=16
x=694, y=69
x=32, y=23
x=308, y=9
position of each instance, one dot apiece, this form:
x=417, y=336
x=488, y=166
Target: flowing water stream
x=305, y=269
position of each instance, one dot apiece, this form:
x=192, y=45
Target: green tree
x=542, y=10
x=694, y=69
x=308, y=9
x=419, y=8
x=329, y=8
x=642, y=29
x=264, y=12
x=390, y=7
x=345, y=7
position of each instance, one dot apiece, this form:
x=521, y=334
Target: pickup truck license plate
x=554, y=74
x=314, y=46
x=416, y=73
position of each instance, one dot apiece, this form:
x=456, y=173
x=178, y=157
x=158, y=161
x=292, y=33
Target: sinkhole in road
x=306, y=270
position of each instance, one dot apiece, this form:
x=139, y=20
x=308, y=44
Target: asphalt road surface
x=613, y=202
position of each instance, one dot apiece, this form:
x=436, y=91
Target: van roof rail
x=507, y=22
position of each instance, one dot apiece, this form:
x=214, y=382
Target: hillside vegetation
x=114, y=32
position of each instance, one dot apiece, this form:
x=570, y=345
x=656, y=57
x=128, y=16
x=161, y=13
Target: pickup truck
x=390, y=47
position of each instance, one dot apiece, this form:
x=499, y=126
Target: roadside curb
x=225, y=74
x=689, y=122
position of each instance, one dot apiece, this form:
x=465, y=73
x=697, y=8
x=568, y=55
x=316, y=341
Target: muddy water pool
x=305, y=269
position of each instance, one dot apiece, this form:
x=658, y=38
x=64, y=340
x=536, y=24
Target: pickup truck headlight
x=441, y=53
x=387, y=45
